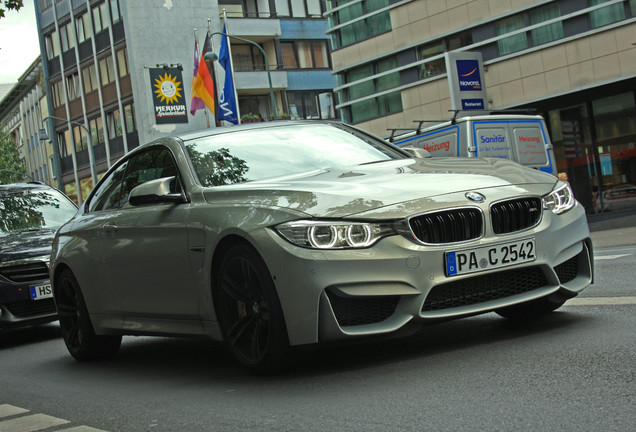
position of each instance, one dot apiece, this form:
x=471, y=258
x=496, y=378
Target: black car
x=30, y=214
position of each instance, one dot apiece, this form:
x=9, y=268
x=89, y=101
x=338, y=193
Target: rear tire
x=530, y=309
x=77, y=330
x=249, y=311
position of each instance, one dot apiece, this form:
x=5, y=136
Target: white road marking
x=609, y=257
x=601, y=301
x=21, y=421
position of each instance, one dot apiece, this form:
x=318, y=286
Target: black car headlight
x=561, y=199
x=333, y=234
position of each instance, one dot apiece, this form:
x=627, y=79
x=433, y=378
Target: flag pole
x=212, y=66
x=229, y=49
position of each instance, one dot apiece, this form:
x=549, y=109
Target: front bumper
x=17, y=308
x=335, y=295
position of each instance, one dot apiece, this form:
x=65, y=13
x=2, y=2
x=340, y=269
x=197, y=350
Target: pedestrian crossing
x=16, y=419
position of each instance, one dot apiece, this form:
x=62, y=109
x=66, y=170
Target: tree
x=15, y=5
x=11, y=167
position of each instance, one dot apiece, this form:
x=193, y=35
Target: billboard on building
x=168, y=95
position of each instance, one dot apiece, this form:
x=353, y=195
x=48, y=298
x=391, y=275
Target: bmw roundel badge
x=476, y=197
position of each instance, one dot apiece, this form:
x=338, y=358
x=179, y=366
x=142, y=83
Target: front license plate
x=39, y=292
x=490, y=257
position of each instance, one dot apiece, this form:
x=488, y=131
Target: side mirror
x=157, y=191
x=417, y=152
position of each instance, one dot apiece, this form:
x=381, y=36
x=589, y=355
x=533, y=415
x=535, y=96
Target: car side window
x=152, y=164
x=107, y=196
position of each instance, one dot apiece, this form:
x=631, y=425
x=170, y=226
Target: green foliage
x=218, y=167
x=11, y=167
x=10, y=5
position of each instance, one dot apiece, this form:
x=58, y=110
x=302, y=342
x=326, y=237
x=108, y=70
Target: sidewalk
x=613, y=229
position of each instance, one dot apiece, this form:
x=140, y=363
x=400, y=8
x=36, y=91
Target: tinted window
x=31, y=209
x=150, y=165
x=249, y=155
x=107, y=194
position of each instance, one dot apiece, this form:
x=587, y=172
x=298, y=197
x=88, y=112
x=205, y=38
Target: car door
x=145, y=247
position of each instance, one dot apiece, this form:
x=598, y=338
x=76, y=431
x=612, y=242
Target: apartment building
x=107, y=60
x=21, y=116
x=572, y=61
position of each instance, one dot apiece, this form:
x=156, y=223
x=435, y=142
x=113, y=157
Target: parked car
x=30, y=213
x=281, y=234
x=617, y=198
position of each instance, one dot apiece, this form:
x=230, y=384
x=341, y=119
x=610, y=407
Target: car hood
x=364, y=189
x=25, y=244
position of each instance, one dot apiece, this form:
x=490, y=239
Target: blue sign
x=468, y=75
x=472, y=104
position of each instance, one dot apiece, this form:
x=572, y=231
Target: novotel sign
x=465, y=80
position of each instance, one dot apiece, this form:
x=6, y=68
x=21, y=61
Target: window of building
x=114, y=11
x=247, y=58
x=549, y=32
x=97, y=130
x=100, y=17
x=607, y=15
x=433, y=67
x=72, y=86
x=83, y=24
x=68, y=37
x=52, y=46
x=45, y=4
x=64, y=142
x=107, y=70
x=113, y=120
x=89, y=76
x=81, y=140
x=305, y=54
x=513, y=43
x=311, y=105
x=129, y=115
x=459, y=40
x=58, y=92
x=122, y=62
x=357, y=31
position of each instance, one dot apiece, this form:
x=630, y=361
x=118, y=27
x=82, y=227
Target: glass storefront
x=595, y=148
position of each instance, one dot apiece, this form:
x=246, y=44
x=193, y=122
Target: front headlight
x=333, y=234
x=561, y=199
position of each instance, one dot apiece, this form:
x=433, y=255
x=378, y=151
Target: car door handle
x=109, y=227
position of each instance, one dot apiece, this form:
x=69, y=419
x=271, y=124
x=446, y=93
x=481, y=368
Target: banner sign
x=168, y=95
x=465, y=80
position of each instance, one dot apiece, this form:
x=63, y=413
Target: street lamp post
x=91, y=155
x=212, y=57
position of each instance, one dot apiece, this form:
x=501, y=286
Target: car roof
x=248, y=126
x=14, y=187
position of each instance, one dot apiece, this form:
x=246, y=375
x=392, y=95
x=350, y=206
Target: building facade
x=572, y=61
x=21, y=113
x=108, y=63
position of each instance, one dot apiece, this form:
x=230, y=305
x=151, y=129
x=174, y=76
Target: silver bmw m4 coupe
x=282, y=234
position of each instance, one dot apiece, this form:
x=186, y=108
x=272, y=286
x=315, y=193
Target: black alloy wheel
x=80, y=338
x=249, y=311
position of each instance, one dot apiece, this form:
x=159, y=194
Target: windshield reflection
x=249, y=155
x=23, y=210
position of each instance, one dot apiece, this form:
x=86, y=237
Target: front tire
x=77, y=330
x=249, y=311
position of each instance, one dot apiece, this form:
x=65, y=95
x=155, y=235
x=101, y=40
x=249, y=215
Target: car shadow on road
x=180, y=359
x=12, y=338
x=468, y=334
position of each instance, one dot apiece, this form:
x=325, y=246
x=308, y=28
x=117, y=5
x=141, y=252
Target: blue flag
x=227, y=100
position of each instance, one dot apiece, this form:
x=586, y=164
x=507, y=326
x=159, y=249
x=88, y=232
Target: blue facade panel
x=304, y=29
x=310, y=80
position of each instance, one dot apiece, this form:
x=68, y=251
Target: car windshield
x=257, y=154
x=33, y=209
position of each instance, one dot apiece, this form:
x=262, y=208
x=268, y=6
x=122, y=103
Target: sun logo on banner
x=168, y=89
